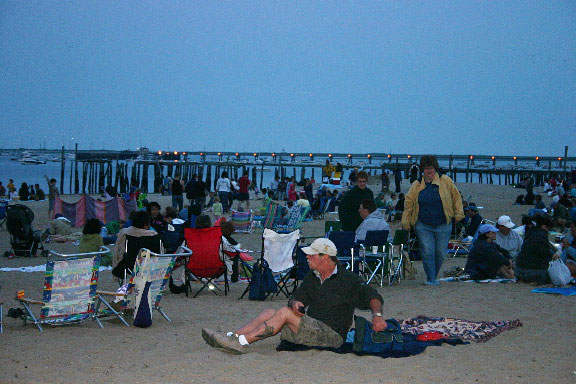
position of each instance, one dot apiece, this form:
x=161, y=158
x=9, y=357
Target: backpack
x=262, y=281
x=366, y=340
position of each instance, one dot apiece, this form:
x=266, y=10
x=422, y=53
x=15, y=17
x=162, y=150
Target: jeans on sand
x=223, y=195
x=433, y=240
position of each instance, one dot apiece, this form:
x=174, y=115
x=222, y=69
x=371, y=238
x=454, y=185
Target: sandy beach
x=542, y=351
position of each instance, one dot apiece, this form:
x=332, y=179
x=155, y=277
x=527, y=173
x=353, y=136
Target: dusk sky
x=462, y=77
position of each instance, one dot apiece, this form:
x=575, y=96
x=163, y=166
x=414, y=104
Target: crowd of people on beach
x=432, y=210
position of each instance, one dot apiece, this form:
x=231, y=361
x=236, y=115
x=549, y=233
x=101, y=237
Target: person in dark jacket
x=348, y=207
x=536, y=253
x=474, y=219
x=320, y=311
x=487, y=260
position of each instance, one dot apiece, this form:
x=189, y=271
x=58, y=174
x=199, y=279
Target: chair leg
x=162, y=313
x=32, y=316
x=116, y=313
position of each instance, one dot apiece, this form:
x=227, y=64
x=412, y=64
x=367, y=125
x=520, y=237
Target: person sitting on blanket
x=569, y=253
x=487, y=260
x=536, y=253
x=507, y=238
x=319, y=313
x=373, y=219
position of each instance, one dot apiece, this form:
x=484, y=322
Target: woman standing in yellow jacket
x=432, y=202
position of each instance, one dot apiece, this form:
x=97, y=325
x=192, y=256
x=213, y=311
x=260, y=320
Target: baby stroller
x=23, y=239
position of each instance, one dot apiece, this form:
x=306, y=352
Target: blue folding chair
x=346, y=246
x=375, y=255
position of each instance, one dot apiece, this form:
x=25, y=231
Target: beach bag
x=366, y=340
x=559, y=273
x=409, y=269
x=143, y=302
x=262, y=281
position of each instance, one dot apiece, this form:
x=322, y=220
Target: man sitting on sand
x=319, y=313
x=507, y=238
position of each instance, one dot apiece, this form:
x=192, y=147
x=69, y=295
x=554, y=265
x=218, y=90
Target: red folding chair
x=205, y=264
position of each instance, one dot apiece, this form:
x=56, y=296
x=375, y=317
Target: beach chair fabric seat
x=133, y=245
x=69, y=294
x=242, y=221
x=345, y=245
x=205, y=263
x=278, y=249
x=154, y=267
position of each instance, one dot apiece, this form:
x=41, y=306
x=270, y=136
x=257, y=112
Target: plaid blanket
x=478, y=331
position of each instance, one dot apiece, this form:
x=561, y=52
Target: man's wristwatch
x=377, y=314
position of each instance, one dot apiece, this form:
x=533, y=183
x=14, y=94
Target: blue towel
x=560, y=291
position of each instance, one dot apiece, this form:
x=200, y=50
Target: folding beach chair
x=242, y=221
x=345, y=242
x=278, y=249
x=150, y=266
x=374, y=256
x=273, y=215
x=205, y=264
x=69, y=296
x=395, y=265
x=295, y=220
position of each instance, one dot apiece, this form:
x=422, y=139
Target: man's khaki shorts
x=313, y=333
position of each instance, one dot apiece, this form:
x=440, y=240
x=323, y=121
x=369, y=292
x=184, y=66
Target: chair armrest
x=30, y=301
x=110, y=293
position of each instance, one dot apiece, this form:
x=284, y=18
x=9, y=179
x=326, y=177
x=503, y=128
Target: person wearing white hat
x=319, y=313
x=507, y=238
x=486, y=259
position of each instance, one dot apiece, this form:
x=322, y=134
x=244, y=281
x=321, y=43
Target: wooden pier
x=97, y=172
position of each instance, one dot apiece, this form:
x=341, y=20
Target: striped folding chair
x=156, y=269
x=69, y=295
x=241, y=221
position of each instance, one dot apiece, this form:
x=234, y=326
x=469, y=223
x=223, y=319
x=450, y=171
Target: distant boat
x=29, y=159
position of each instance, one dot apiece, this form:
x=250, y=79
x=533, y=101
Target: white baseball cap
x=324, y=246
x=506, y=221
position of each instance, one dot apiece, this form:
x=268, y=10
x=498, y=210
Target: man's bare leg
x=265, y=326
x=259, y=320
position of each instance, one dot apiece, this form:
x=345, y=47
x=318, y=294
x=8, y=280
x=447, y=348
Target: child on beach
x=217, y=208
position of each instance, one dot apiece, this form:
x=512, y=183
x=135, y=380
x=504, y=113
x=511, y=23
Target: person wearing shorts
x=319, y=313
x=243, y=194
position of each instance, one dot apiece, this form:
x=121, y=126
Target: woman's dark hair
x=203, y=221
x=140, y=219
x=92, y=226
x=153, y=204
x=227, y=228
x=527, y=220
x=224, y=174
x=482, y=236
x=195, y=209
x=541, y=220
x=427, y=161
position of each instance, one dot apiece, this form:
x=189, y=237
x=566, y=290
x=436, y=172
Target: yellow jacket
x=449, y=194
